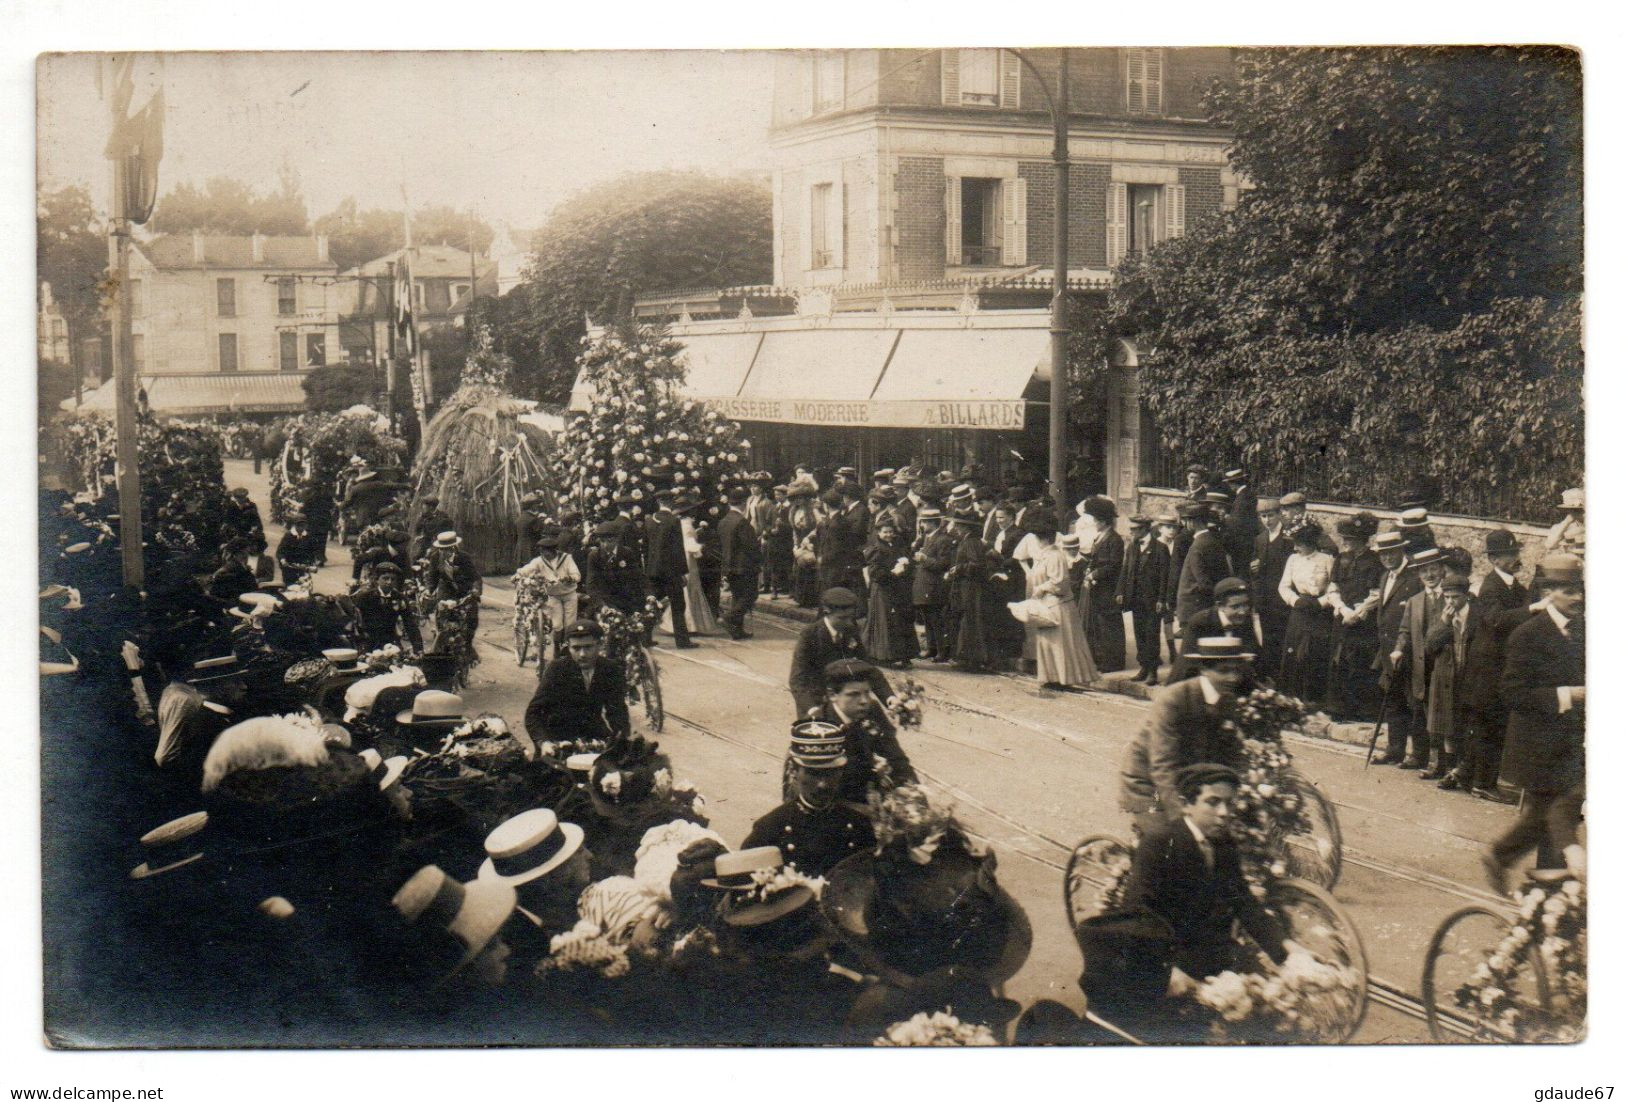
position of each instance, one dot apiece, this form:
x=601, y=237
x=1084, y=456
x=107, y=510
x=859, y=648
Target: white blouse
x=1306, y=576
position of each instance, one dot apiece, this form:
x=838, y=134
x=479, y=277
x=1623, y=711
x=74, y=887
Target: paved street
x=1033, y=772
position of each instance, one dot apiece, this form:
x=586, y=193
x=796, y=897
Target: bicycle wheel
x=1097, y=864
x=1316, y=853
x=1462, y=943
x=1319, y=923
x=654, y=704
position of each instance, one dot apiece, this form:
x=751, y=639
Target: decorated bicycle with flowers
x=624, y=636
x=1512, y=975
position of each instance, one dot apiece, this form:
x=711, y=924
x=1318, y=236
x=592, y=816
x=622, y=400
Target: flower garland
x=906, y=706
x=1552, y=923
x=641, y=429
x=939, y=1029
x=1305, y=997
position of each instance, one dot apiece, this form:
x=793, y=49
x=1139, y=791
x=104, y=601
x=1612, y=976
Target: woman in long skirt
x=888, y=634
x=1062, y=651
x=1305, y=587
x=701, y=620
x=1104, y=622
x=803, y=532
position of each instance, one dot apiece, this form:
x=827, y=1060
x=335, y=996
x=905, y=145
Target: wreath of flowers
x=561, y=750
x=1552, y=923
x=385, y=658
x=907, y=813
x=939, y=1029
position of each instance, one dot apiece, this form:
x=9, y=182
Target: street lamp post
x=1058, y=326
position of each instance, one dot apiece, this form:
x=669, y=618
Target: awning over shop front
x=241, y=392
x=916, y=374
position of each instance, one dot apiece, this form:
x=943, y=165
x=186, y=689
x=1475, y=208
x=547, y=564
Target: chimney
x=259, y=247
x=197, y=247
x=321, y=247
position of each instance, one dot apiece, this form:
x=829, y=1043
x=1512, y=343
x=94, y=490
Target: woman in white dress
x=700, y=619
x=1063, y=650
x=1307, y=589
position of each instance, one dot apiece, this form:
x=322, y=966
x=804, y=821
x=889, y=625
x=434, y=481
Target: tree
x=71, y=255
x=337, y=387
x=230, y=207
x=356, y=236
x=1395, y=296
x=637, y=234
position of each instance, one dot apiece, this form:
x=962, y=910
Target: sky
x=508, y=134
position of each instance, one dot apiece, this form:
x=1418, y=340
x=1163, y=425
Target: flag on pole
x=137, y=137
x=406, y=332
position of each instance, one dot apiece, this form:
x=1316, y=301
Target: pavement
x=1033, y=772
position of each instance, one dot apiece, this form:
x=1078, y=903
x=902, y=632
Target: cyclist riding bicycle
x=1186, y=726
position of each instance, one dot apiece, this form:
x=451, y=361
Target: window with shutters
x=823, y=225
x=287, y=297
x=829, y=81
x=315, y=349
x=1144, y=71
x=288, y=351
x=228, y=352
x=979, y=77
x=225, y=297
x=1142, y=216
x=981, y=222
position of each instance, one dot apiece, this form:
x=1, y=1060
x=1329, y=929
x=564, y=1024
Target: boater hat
x=432, y=706
x=1235, y=474
x=345, y=659
x=734, y=869
x=1413, y=518
x=1428, y=556
x=171, y=846
x=1388, y=541
x=1294, y=498
x=445, y=541
x=1220, y=648
x=1573, y=500
x=528, y=847
x=474, y=913
x=1562, y=569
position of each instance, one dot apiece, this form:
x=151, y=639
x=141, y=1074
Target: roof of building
x=431, y=262
x=178, y=250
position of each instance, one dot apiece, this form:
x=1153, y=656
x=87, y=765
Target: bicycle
x=1482, y=984
x=1308, y=913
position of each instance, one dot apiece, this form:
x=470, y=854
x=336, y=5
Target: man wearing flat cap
x=1231, y=614
x=834, y=635
x=581, y=695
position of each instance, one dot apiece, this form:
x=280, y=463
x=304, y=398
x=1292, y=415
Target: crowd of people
x=318, y=778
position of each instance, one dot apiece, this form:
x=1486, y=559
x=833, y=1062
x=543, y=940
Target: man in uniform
x=814, y=829
x=581, y=694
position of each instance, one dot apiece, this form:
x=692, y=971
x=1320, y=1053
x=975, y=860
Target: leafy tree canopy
x=71, y=254
x=1412, y=230
x=634, y=235
x=228, y=206
x=355, y=236
x=337, y=387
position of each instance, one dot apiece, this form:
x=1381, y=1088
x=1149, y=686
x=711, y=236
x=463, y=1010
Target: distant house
x=441, y=278
x=231, y=324
x=53, y=328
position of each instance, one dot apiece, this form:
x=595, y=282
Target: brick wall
x=1204, y=193
x=921, y=234
x=1086, y=213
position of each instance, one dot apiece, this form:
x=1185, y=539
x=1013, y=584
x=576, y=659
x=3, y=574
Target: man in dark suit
x=1139, y=590
x=666, y=564
x=1241, y=528
x=851, y=536
x=1187, y=870
x=1271, y=549
x=1231, y=614
x=933, y=555
x=1409, y=659
x=1399, y=584
x=1186, y=726
x=1500, y=607
x=834, y=635
x=741, y=563
x=1205, y=566
x=1543, y=686
x=582, y=694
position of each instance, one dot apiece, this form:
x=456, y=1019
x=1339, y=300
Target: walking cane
x=1382, y=716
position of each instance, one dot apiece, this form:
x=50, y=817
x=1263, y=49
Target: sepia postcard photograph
x=1074, y=546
